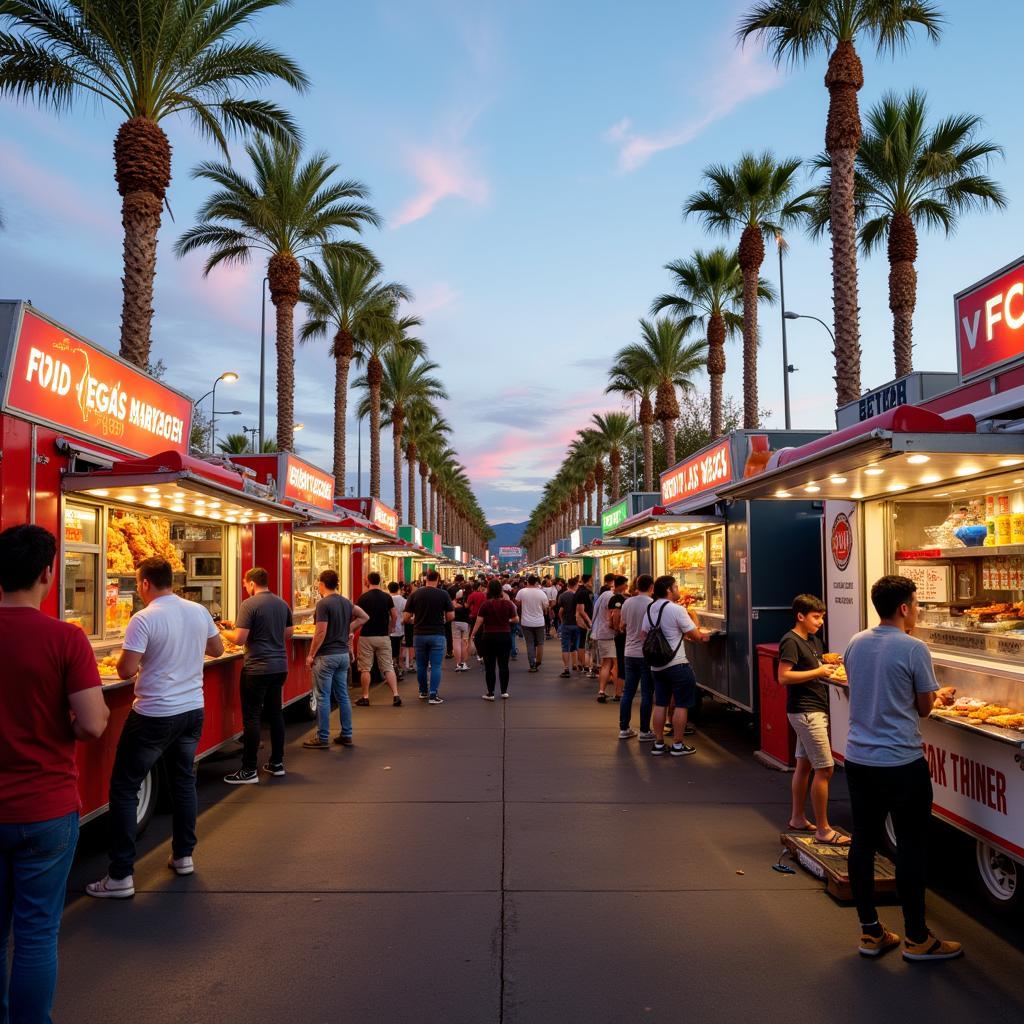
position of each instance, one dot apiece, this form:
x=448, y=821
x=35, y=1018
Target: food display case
x=913, y=493
x=730, y=558
x=97, y=452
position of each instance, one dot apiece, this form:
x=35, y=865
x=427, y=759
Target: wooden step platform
x=829, y=864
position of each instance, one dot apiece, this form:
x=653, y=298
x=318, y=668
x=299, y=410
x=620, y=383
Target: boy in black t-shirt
x=802, y=671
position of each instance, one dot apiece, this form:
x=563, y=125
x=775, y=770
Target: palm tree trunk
x=716, y=371
x=342, y=361
x=668, y=438
x=750, y=256
x=397, y=425
x=599, y=480
x=142, y=168
x=285, y=273
x=374, y=376
x=648, y=432
x=410, y=460
x=616, y=461
x=902, y=290
x=844, y=78
x=424, y=504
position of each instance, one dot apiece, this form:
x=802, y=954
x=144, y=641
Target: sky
x=530, y=161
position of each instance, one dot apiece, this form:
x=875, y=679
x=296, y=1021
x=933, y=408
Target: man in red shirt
x=50, y=695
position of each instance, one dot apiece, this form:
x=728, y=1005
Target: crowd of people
x=631, y=636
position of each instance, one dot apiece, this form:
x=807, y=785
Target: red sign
x=703, y=472
x=990, y=322
x=383, y=517
x=307, y=484
x=841, y=542
x=58, y=379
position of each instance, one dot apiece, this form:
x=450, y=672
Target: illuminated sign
x=58, y=379
x=703, y=472
x=307, y=484
x=383, y=517
x=614, y=516
x=990, y=322
x=575, y=539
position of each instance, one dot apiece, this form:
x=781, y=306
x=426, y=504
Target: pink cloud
x=50, y=192
x=231, y=292
x=433, y=297
x=442, y=173
x=745, y=74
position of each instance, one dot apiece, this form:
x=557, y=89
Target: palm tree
x=288, y=211
x=614, y=431
x=908, y=175
x=347, y=298
x=795, y=30
x=670, y=362
x=709, y=294
x=757, y=196
x=424, y=430
x=637, y=382
x=148, y=61
x=235, y=444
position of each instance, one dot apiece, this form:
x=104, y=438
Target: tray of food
x=977, y=712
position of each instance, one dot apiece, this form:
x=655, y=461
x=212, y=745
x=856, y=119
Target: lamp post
x=228, y=377
x=780, y=244
x=790, y=315
x=359, y=458
x=263, y=356
x=251, y=433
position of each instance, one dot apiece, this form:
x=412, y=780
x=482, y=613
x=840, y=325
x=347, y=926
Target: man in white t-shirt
x=398, y=629
x=164, y=644
x=533, y=605
x=675, y=679
x=551, y=593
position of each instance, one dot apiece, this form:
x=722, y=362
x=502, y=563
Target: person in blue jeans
x=632, y=619
x=50, y=696
x=428, y=609
x=335, y=619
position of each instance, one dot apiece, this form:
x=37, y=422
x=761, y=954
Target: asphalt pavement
x=512, y=861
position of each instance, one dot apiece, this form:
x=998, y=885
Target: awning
x=344, y=527
x=602, y=549
x=657, y=523
x=904, y=450
x=175, y=483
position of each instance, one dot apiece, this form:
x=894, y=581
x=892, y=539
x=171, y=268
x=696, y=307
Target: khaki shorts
x=812, y=742
x=378, y=647
x=606, y=649
x=460, y=629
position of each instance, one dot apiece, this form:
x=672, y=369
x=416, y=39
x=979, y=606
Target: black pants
x=495, y=649
x=262, y=693
x=144, y=740
x=448, y=649
x=905, y=793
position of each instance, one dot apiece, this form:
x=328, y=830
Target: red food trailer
x=97, y=452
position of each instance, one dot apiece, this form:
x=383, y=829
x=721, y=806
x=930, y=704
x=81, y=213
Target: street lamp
x=298, y=427
x=263, y=355
x=228, y=377
x=790, y=315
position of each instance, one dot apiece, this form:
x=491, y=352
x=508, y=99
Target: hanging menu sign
x=932, y=582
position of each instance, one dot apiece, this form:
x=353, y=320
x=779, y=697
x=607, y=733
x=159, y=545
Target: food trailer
x=625, y=557
x=97, y=452
x=732, y=559
x=383, y=554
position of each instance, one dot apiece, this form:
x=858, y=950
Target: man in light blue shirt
x=892, y=687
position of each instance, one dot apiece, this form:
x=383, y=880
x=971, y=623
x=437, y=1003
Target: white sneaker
x=182, y=865
x=108, y=888
x=647, y=737
x=504, y=696
x=628, y=734
x=488, y=696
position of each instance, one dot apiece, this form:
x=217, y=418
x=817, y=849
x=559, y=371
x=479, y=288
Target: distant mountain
x=506, y=535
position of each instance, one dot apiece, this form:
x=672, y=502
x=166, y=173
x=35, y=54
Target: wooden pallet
x=829, y=864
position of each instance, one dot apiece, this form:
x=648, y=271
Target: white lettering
x=1014, y=322
x=303, y=480
x=971, y=329
x=992, y=316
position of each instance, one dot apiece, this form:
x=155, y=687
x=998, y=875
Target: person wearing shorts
x=565, y=611
x=460, y=631
x=803, y=673
x=375, y=639
x=675, y=680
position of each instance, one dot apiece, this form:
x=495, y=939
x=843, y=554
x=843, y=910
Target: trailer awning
x=908, y=454
x=175, y=483
x=657, y=523
x=601, y=549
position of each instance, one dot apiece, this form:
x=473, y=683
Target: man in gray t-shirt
x=264, y=624
x=892, y=687
x=638, y=673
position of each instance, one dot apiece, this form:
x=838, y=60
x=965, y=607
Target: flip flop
x=835, y=839
x=805, y=828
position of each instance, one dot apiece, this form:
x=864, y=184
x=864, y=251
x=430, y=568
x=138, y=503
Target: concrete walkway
x=512, y=862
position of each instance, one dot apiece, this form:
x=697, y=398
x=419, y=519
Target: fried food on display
x=832, y=659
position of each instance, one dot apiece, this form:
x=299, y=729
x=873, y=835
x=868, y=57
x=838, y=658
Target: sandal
x=834, y=838
x=802, y=828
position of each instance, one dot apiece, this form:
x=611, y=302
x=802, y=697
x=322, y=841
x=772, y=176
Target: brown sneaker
x=876, y=945
x=932, y=949
x=316, y=744
x=343, y=741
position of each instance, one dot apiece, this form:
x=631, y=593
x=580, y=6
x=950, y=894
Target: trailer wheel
x=999, y=874
x=310, y=704
x=149, y=791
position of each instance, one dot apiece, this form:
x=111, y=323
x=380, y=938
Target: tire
x=309, y=705
x=1001, y=879
x=149, y=793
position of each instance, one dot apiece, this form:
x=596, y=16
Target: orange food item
x=832, y=659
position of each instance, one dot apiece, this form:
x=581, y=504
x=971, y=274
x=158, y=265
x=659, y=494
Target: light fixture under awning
x=656, y=524
x=883, y=463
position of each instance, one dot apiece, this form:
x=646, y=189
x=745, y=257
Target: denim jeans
x=515, y=633
x=429, y=650
x=570, y=636
x=34, y=863
x=638, y=674
x=144, y=740
x=261, y=693
x=330, y=676
x=534, y=642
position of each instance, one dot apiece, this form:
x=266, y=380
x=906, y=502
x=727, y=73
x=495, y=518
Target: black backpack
x=658, y=652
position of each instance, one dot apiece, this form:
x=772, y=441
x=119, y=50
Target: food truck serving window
x=310, y=558
x=697, y=562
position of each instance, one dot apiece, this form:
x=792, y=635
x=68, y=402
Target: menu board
x=932, y=582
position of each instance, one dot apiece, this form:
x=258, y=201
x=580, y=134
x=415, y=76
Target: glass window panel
x=304, y=581
x=81, y=589
x=686, y=560
x=80, y=525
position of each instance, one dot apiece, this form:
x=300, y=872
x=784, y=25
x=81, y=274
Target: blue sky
x=531, y=160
